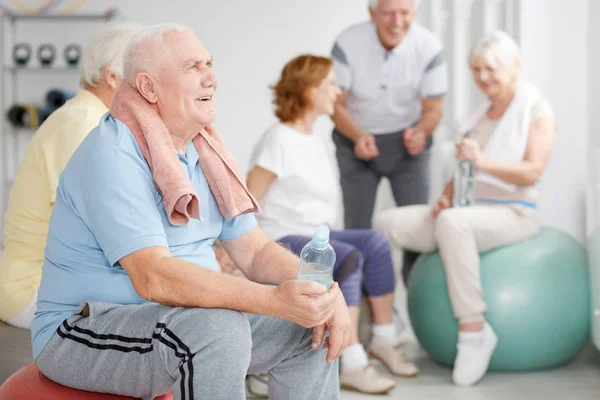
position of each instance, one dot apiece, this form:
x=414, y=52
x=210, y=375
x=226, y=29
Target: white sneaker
x=366, y=380
x=394, y=358
x=257, y=386
x=473, y=358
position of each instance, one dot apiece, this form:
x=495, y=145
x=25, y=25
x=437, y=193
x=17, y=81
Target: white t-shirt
x=386, y=87
x=482, y=132
x=305, y=192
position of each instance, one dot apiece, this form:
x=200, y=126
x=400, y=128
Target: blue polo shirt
x=108, y=207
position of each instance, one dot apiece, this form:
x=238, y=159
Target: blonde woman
x=508, y=139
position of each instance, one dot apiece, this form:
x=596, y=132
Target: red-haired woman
x=296, y=184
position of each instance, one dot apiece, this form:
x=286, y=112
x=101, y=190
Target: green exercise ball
x=538, y=299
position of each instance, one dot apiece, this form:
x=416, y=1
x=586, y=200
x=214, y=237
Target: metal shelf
x=23, y=128
x=10, y=135
x=68, y=17
x=42, y=69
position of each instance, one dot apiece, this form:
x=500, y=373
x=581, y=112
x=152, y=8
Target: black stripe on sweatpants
x=109, y=336
x=68, y=335
x=162, y=329
x=186, y=358
x=189, y=356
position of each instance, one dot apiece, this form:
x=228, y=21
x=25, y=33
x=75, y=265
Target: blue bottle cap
x=321, y=237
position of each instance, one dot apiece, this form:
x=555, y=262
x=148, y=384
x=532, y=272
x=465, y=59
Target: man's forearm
x=345, y=125
x=273, y=264
x=178, y=283
x=431, y=115
x=430, y=119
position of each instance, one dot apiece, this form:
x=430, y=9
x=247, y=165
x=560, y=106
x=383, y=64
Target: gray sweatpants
x=147, y=350
x=408, y=176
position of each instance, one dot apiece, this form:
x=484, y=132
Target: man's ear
x=147, y=87
x=110, y=78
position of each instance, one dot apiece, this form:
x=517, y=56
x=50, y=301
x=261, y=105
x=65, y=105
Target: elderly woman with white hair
x=33, y=191
x=508, y=140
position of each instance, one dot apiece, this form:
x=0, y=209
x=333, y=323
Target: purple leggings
x=361, y=255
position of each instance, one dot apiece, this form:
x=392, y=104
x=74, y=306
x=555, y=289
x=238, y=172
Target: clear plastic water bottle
x=463, y=184
x=317, y=258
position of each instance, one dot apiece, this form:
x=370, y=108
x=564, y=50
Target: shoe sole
x=413, y=375
x=355, y=389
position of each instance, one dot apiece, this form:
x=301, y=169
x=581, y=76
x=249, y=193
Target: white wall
x=250, y=43
x=554, y=40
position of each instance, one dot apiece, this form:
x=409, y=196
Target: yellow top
x=33, y=194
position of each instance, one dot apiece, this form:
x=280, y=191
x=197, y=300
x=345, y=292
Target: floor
x=15, y=350
x=577, y=380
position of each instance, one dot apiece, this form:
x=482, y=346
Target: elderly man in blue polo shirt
x=131, y=301
x=393, y=76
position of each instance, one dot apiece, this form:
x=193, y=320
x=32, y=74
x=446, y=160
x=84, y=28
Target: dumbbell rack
x=9, y=89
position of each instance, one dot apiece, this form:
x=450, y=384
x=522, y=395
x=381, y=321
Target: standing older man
x=393, y=76
x=34, y=190
x=131, y=300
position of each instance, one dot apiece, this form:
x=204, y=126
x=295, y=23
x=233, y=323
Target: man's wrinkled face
x=393, y=19
x=186, y=82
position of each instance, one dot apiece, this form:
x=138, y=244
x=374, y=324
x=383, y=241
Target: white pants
x=459, y=234
x=24, y=317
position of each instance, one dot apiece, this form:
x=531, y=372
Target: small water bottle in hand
x=317, y=258
x=463, y=184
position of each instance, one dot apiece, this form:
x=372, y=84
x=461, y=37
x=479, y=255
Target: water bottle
x=317, y=258
x=463, y=184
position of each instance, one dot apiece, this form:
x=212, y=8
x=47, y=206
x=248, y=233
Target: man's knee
x=300, y=336
x=224, y=332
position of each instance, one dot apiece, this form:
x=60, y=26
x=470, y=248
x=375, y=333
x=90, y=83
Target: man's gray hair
x=139, y=56
x=106, y=51
x=496, y=49
x=374, y=3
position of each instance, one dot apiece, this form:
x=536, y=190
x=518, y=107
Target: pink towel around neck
x=154, y=140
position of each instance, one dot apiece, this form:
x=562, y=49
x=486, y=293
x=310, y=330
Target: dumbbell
x=28, y=115
x=24, y=116
x=72, y=54
x=46, y=53
x=21, y=54
x=55, y=98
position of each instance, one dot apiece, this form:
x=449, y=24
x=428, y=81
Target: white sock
x=474, y=338
x=354, y=357
x=384, y=334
